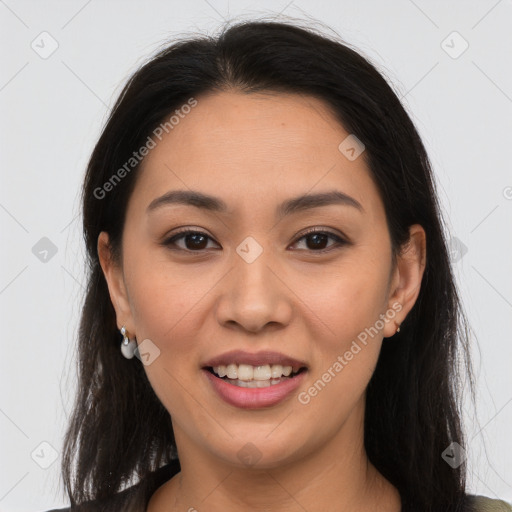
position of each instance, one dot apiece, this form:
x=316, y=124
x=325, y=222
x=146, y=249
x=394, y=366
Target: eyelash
x=181, y=234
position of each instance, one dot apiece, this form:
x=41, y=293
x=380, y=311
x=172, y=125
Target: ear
x=407, y=276
x=116, y=286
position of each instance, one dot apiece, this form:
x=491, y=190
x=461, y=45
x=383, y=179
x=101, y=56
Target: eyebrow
x=290, y=206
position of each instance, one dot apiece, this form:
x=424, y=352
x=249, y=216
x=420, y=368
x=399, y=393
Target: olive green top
x=483, y=504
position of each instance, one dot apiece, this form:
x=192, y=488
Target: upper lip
x=254, y=359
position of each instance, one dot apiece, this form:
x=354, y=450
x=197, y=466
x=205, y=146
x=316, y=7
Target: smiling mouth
x=247, y=376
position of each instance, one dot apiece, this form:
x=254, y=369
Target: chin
x=260, y=452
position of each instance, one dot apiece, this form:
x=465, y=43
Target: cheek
x=165, y=305
x=349, y=302
x=164, y=297
x=347, y=353
x=346, y=299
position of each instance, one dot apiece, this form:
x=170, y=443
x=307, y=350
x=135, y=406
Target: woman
x=264, y=236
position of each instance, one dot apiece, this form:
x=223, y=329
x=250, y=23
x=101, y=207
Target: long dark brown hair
x=119, y=431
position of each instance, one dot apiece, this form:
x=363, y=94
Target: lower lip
x=254, y=398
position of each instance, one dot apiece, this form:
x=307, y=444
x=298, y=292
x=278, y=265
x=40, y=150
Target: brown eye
x=193, y=240
x=197, y=241
x=317, y=241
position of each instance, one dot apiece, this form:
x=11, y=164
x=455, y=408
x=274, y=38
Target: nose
x=254, y=296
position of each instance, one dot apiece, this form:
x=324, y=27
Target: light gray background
x=52, y=112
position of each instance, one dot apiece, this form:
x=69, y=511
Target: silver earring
x=127, y=346
x=398, y=329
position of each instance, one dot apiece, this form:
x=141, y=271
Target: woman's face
x=254, y=281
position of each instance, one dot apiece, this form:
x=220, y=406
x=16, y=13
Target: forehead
x=254, y=147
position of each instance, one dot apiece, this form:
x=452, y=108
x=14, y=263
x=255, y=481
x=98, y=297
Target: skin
x=255, y=151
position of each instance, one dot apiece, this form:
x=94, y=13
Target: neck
x=335, y=476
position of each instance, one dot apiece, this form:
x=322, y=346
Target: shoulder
x=123, y=498
x=484, y=504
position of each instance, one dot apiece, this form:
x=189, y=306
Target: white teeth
x=245, y=372
x=231, y=371
x=255, y=383
x=262, y=372
x=277, y=371
x=249, y=373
